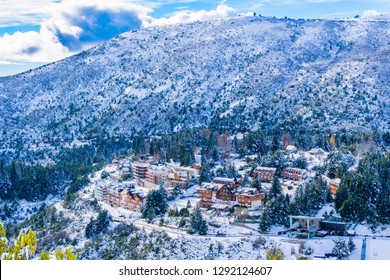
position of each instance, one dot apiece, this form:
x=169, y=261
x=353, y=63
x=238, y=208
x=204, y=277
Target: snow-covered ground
x=380, y=231
x=23, y=209
x=378, y=249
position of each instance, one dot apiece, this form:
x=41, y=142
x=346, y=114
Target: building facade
x=265, y=174
x=295, y=174
x=139, y=170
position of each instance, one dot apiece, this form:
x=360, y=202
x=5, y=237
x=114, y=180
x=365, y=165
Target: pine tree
x=204, y=174
x=265, y=222
x=171, y=213
x=197, y=223
x=100, y=225
x=156, y=204
x=351, y=245
x=341, y=249
x=276, y=189
x=150, y=214
x=184, y=212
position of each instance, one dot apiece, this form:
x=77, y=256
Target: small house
x=304, y=226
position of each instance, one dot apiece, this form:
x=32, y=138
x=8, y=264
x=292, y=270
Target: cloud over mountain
x=221, y=11
x=74, y=26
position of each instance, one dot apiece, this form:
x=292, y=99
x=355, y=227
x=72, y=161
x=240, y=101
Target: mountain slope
x=237, y=73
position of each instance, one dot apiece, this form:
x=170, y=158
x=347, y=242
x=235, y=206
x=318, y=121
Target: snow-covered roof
x=266, y=168
x=220, y=206
x=306, y=217
x=291, y=148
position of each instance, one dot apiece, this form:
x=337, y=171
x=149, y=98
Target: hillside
x=238, y=74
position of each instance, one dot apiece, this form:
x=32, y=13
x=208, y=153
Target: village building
x=334, y=185
x=114, y=196
x=264, y=174
x=291, y=148
x=155, y=176
x=233, y=183
x=295, y=174
x=316, y=152
x=125, y=173
x=178, y=179
x=139, y=170
x=206, y=193
x=304, y=226
x=132, y=200
x=124, y=197
x=251, y=158
x=250, y=198
x=100, y=190
x=223, y=197
x=188, y=170
x=307, y=227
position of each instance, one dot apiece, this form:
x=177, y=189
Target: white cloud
x=371, y=13
x=32, y=46
x=72, y=27
x=77, y=25
x=2, y=62
x=221, y=11
x=27, y=12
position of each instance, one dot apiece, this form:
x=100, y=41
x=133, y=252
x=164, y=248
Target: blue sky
x=35, y=32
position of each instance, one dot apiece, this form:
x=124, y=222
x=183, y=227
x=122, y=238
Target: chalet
x=139, y=170
x=222, y=197
x=265, y=174
x=178, y=179
x=132, y=200
x=233, y=183
x=317, y=226
x=250, y=198
x=334, y=185
x=206, y=191
x=225, y=195
x=295, y=174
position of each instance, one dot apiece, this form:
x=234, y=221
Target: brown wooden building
x=265, y=174
x=334, y=186
x=225, y=194
x=133, y=201
x=295, y=174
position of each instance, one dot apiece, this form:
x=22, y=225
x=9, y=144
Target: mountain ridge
x=237, y=74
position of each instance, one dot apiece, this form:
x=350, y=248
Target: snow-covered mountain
x=236, y=73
